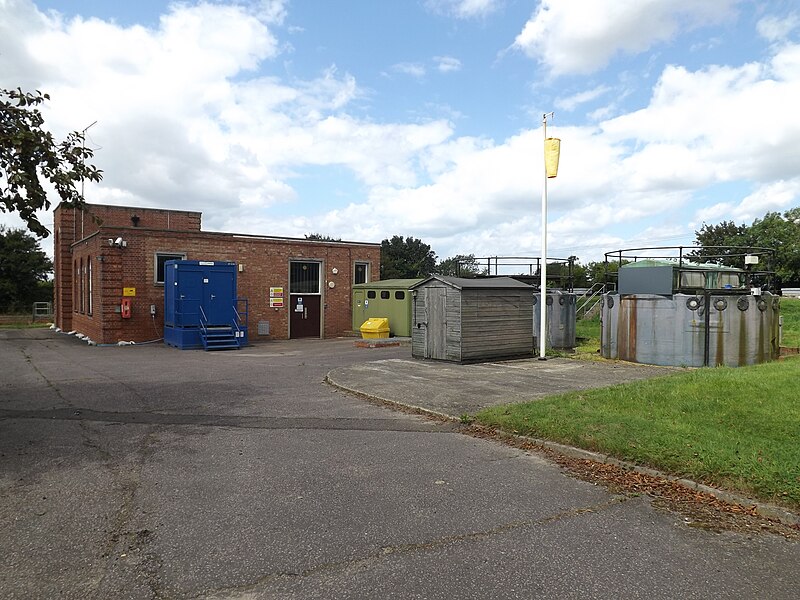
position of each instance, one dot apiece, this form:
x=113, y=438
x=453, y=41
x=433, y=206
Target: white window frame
x=173, y=255
x=367, y=270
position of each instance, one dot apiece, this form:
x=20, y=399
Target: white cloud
x=701, y=128
x=447, y=64
x=777, y=196
x=272, y=11
x=188, y=119
x=570, y=103
x=776, y=29
x=733, y=123
x=582, y=36
x=181, y=120
x=413, y=69
x=464, y=9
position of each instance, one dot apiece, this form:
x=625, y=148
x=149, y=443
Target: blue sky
x=363, y=119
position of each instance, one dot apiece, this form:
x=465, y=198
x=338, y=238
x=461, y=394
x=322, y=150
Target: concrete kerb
x=769, y=511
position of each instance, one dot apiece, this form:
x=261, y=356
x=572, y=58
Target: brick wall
x=72, y=225
x=264, y=263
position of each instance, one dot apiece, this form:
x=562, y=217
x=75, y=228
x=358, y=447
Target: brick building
x=104, y=253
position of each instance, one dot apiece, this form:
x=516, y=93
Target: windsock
x=552, y=150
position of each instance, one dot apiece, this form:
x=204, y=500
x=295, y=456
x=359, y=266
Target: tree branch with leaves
x=29, y=155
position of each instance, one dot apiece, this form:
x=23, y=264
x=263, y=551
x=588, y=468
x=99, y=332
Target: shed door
x=436, y=331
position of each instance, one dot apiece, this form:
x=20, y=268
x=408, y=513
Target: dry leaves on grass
x=699, y=509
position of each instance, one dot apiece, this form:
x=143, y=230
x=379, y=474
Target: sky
x=362, y=120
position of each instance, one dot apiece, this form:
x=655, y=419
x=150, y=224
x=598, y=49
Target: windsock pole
x=543, y=259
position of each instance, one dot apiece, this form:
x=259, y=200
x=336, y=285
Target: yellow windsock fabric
x=552, y=151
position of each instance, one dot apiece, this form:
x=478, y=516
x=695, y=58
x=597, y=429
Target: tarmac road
x=149, y=472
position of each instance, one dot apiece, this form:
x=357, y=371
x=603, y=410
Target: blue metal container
x=200, y=296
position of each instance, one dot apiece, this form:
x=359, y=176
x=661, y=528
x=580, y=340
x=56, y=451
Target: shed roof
x=402, y=284
x=487, y=283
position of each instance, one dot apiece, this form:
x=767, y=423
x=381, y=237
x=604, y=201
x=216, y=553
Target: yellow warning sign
x=129, y=291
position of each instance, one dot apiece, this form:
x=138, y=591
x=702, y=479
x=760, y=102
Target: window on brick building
x=361, y=272
x=89, y=285
x=160, y=259
x=76, y=275
x=81, y=288
x=304, y=278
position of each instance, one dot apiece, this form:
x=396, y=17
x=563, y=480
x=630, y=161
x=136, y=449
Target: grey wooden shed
x=470, y=320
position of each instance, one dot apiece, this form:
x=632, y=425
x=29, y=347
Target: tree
x=24, y=268
x=602, y=271
x=726, y=233
x=406, y=258
x=778, y=232
x=781, y=233
x=460, y=265
x=321, y=238
x=28, y=154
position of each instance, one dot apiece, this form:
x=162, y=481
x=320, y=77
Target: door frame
x=436, y=322
x=321, y=293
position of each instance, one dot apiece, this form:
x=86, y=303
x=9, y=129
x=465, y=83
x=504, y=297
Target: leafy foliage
x=28, y=153
x=726, y=233
x=404, y=258
x=460, y=265
x=775, y=230
x=321, y=238
x=24, y=268
x=602, y=272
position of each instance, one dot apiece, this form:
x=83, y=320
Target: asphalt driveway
x=149, y=472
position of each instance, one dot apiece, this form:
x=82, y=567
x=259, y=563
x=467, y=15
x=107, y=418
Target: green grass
x=737, y=428
x=587, y=332
x=790, y=311
x=22, y=325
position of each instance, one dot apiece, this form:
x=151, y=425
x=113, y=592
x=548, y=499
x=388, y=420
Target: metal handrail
x=591, y=298
x=203, y=320
x=237, y=320
x=683, y=258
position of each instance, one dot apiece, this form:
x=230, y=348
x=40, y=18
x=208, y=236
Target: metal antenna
x=83, y=159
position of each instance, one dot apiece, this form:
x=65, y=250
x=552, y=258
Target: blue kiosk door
x=189, y=297
x=219, y=290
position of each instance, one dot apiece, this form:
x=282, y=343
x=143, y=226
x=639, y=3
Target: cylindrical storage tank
x=747, y=329
x=561, y=315
x=679, y=330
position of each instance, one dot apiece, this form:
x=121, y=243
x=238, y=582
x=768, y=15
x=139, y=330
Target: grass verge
x=24, y=325
x=587, y=333
x=790, y=311
x=735, y=428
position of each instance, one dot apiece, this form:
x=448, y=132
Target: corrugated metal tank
x=736, y=330
x=561, y=315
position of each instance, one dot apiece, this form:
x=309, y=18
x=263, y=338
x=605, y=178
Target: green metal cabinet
x=390, y=298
